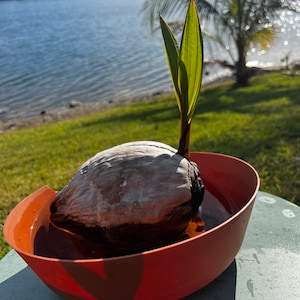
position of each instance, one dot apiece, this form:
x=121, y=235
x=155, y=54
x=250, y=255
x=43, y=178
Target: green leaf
x=172, y=54
x=191, y=57
x=186, y=67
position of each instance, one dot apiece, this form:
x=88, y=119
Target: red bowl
x=169, y=272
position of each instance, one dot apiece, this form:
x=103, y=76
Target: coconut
x=136, y=195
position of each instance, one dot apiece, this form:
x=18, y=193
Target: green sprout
x=186, y=68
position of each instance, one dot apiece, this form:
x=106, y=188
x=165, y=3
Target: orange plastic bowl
x=169, y=272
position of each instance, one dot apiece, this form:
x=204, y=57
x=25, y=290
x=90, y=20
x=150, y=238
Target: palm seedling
x=143, y=194
x=186, y=65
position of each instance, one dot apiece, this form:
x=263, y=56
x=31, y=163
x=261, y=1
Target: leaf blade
x=191, y=54
x=172, y=54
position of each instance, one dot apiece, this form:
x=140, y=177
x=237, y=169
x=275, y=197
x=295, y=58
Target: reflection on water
x=52, y=52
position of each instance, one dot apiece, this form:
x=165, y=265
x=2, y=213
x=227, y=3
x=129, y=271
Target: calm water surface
x=55, y=51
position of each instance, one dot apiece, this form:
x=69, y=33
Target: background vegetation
x=258, y=123
x=235, y=26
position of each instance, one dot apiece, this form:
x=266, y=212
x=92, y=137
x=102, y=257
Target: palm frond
x=263, y=38
x=151, y=10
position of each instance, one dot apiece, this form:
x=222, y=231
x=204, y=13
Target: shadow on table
x=223, y=287
x=26, y=285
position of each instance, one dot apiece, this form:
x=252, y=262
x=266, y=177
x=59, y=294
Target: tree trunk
x=242, y=74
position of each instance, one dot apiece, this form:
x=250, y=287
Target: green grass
x=259, y=123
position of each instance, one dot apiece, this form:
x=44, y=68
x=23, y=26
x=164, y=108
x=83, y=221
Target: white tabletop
x=267, y=266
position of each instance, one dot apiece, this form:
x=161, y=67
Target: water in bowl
x=50, y=241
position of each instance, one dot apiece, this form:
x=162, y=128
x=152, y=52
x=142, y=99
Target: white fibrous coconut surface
x=137, y=182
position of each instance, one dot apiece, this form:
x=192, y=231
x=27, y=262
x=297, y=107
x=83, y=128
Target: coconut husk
x=135, y=195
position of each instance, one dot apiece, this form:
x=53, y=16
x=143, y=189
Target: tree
x=241, y=23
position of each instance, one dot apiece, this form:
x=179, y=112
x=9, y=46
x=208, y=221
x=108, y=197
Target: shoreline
x=75, y=109
x=79, y=109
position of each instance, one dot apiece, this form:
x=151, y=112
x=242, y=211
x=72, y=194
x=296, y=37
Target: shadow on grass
x=227, y=97
x=153, y=112
x=244, y=99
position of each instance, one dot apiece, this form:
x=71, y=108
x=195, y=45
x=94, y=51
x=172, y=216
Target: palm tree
x=241, y=23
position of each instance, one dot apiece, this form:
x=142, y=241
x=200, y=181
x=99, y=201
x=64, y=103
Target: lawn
x=259, y=123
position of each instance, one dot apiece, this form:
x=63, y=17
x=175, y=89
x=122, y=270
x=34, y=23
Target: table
x=267, y=266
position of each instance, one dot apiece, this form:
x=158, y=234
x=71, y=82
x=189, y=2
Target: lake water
x=55, y=51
